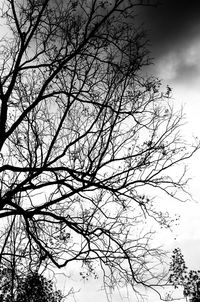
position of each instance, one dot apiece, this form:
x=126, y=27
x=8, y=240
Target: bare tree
x=86, y=141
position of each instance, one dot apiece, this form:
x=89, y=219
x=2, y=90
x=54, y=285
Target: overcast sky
x=174, y=34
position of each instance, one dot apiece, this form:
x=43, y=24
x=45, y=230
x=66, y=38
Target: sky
x=174, y=34
x=173, y=29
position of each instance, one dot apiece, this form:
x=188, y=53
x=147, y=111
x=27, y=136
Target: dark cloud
x=173, y=27
x=185, y=73
x=172, y=24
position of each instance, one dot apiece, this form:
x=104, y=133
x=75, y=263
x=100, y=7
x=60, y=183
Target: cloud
x=180, y=65
x=171, y=25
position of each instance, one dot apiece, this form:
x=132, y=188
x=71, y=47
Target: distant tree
x=36, y=288
x=29, y=288
x=86, y=142
x=22, y=273
x=181, y=276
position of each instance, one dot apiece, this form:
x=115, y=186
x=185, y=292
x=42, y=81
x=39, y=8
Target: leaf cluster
x=30, y=287
x=181, y=276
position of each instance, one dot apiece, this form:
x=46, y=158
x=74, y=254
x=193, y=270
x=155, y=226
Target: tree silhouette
x=181, y=276
x=32, y=287
x=86, y=141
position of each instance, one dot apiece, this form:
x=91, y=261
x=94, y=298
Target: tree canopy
x=31, y=287
x=181, y=276
x=87, y=142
